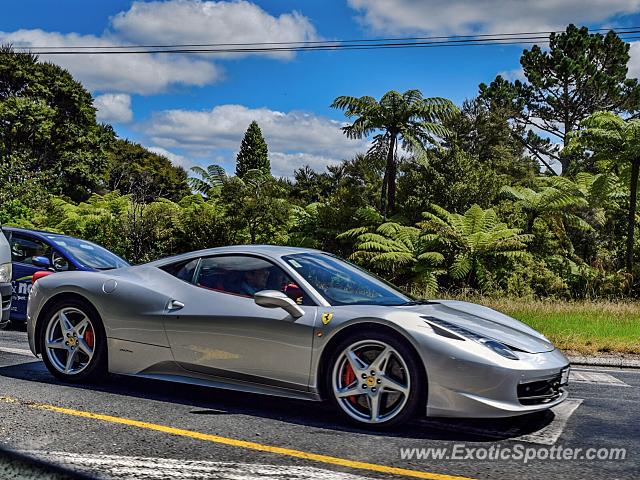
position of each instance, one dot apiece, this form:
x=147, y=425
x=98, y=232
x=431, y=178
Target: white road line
x=549, y=435
x=17, y=351
x=599, y=378
x=605, y=369
x=123, y=467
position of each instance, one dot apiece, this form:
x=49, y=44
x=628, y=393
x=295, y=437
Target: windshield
x=89, y=254
x=341, y=283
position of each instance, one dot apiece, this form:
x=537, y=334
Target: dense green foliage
x=616, y=146
x=52, y=145
x=134, y=169
x=48, y=127
x=464, y=208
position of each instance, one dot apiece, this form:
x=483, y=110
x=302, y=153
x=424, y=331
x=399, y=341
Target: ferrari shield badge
x=326, y=318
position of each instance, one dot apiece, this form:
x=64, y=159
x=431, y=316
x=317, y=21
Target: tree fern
x=406, y=117
x=397, y=251
x=210, y=179
x=472, y=241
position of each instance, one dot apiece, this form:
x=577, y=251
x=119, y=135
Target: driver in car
x=254, y=281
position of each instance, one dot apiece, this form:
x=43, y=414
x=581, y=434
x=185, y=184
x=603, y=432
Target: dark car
x=33, y=251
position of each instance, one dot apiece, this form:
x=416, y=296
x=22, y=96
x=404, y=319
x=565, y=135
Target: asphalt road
x=131, y=428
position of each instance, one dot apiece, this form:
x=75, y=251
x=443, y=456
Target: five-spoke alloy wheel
x=72, y=341
x=375, y=380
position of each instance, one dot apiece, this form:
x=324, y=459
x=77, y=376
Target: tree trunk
x=383, y=195
x=389, y=182
x=530, y=220
x=393, y=173
x=633, y=198
x=565, y=160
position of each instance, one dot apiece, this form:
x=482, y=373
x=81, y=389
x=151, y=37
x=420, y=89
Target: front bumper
x=466, y=388
x=5, y=295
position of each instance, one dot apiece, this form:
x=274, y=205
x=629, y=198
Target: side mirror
x=276, y=299
x=42, y=262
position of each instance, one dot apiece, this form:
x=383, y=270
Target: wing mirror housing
x=42, y=262
x=277, y=299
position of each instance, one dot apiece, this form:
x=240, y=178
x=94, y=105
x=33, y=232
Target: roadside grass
x=586, y=327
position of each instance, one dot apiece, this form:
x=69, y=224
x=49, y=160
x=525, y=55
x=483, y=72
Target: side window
x=60, y=263
x=245, y=275
x=24, y=249
x=182, y=270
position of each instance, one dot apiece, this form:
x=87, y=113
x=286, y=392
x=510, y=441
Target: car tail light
x=38, y=275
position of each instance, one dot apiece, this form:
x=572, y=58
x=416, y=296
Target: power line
x=275, y=47
x=540, y=40
x=620, y=31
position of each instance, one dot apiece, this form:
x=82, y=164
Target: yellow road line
x=343, y=462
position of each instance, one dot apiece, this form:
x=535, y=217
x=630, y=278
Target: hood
x=487, y=322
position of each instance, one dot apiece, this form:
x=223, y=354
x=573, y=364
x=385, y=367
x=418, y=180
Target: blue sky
x=194, y=109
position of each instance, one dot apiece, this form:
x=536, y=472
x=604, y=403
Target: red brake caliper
x=88, y=337
x=349, y=377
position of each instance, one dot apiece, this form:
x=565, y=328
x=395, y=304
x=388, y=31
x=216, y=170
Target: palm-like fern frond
x=210, y=178
x=398, y=251
x=473, y=239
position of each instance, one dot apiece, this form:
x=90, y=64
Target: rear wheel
x=375, y=380
x=73, y=342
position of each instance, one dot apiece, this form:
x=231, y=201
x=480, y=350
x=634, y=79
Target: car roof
x=42, y=234
x=273, y=251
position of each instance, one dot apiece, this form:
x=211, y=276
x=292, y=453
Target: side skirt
x=193, y=378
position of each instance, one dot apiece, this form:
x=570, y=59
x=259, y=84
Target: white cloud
x=294, y=138
x=460, y=17
x=174, y=21
x=198, y=22
x=144, y=74
x=284, y=164
x=512, y=75
x=113, y=107
x=634, y=61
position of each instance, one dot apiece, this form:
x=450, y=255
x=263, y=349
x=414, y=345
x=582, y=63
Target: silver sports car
x=297, y=323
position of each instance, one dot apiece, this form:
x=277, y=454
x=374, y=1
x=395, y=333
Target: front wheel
x=73, y=342
x=375, y=380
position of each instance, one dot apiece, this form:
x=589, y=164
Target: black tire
x=96, y=368
x=417, y=387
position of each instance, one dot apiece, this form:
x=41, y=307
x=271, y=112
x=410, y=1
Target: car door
x=23, y=248
x=217, y=328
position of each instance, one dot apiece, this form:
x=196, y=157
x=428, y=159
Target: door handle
x=175, y=305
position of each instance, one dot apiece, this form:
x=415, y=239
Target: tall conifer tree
x=253, y=154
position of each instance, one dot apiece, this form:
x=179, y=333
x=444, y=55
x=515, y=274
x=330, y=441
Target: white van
x=5, y=279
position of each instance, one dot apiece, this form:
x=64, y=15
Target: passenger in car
x=253, y=281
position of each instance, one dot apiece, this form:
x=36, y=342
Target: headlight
x=5, y=272
x=499, y=348
x=464, y=334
